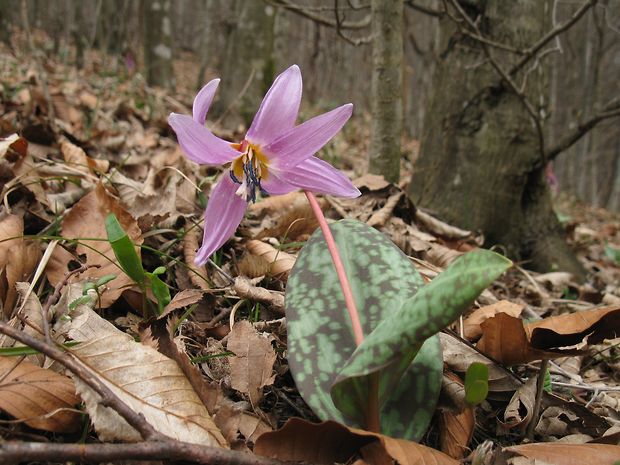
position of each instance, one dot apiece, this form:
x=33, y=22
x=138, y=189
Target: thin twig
x=533, y=50
x=611, y=110
x=540, y=388
x=21, y=452
x=358, y=41
x=425, y=9
x=317, y=18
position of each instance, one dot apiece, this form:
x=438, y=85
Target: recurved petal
x=224, y=213
x=199, y=144
x=319, y=176
x=278, y=111
x=305, y=140
x=203, y=100
x=274, y=185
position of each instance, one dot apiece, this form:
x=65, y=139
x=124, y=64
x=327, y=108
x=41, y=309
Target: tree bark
x=386, y=88
x=480, y=165
x=158, y=43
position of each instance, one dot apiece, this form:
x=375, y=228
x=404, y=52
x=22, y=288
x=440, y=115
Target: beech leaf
x=147, y=381
x=38, y=396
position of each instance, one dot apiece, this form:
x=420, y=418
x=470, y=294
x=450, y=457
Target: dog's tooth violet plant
x=378, y=369
x=275, y=156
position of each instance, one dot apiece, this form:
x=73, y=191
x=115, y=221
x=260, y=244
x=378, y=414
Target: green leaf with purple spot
x=395, y=341
x=320, y=337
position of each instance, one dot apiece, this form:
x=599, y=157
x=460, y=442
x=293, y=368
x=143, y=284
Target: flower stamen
x=248, y=170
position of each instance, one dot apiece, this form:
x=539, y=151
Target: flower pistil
x=248, y=170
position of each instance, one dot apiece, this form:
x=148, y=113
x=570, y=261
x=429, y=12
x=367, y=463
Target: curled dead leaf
x=471, y=325
x=281, y=262
x=329, y=442
x=246, y=290
x=564, y=454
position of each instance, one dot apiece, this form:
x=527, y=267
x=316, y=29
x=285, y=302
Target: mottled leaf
x=320, y=336
x=396, y=340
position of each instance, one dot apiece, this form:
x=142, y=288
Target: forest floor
x=81, y=144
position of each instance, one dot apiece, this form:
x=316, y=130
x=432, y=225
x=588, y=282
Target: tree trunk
x=158, y=43
x=386, y=88
x=248, y=66
x=480, y=165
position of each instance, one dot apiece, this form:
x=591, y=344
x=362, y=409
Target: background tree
x=386, y=88
x=158, y=43
x=483, y=150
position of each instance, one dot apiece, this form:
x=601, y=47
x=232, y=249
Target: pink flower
x=275, y=156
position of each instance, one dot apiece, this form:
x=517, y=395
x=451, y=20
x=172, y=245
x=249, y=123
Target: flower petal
x=203, y=100
x=224, y=213
x=305, y=140
x=278, y=110
x=319, y=176
x=199, y=144
x=276, y=186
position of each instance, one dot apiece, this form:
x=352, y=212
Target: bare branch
x=611, y=110
x=318, y=18
x=425, y=9
x=18, y=452
x=357, y=41
x=533, y=50
x=109, y=399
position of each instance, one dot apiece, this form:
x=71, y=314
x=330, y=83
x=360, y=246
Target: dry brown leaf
x=330, y=442
x=372, y=182
x=246, y=290
x=252, y=366
x=456, y=431
x=471, y=325
x=281, y=262
x=504, y=339
x=459, y=356
x=565, y=454
x=197, y=274
x=278, y=203
x=508, y=340
x=18, y=259
x=522, y=402
x=593, y=325
x=76, y=157
x=87, y=220
x=181, y=299
x=147, y=381
x=39, y=397
x=13, y=147
x=379, y=218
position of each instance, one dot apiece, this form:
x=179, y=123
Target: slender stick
x=373, y=421
x=340, y=271
x=540, y=385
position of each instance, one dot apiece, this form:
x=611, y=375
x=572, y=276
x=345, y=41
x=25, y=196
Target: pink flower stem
x=342, y=275
x=373, y=422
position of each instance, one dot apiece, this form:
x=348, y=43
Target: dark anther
x=233, y=177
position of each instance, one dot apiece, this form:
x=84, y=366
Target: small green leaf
x=105, y=280
x=84, y=300
x=159, y=270
x=89, y=286
x=160, y=291
x=476, y=383
x=124, y=249
x=612, y=253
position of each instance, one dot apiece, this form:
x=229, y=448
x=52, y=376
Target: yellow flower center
x=248, y=170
